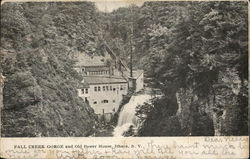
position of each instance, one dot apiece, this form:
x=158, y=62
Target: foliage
x=197, y=51
x=158, y=118
x=195, y=47
x=38, y=40
x=24, y=91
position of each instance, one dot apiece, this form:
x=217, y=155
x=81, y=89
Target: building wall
x=132, y=84
x=97, y=73
x=116, y=72
x=103, y=100
x=136, y=84
x=139, y=83
x=83, y=93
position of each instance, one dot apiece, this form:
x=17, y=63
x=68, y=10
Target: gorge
x=194, y=53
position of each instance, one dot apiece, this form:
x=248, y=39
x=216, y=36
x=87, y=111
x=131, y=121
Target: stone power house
x=105, y=81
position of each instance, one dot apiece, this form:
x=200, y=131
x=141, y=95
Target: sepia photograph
x=124, y=69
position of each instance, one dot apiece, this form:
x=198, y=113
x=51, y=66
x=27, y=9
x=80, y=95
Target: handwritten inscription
x=208, y=147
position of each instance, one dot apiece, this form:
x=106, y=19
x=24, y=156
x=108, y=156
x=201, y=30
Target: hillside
x=197, y=54
x=40, y=97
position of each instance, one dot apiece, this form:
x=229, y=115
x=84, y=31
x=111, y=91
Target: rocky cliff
x=223, y=112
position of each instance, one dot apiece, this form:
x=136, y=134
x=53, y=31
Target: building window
x=113, y=101
x=95, y=102
x=99, y=88
x=83, y=69
x=121, y=87
x=107, y=88
x=111, y=88
x=95, y=88
x=103, y=88
x=104, y=101
x=86, y=90
x=82, y=91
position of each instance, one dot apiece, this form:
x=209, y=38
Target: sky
x=109, y=6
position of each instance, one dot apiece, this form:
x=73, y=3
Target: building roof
x=103, y=80
x=86, y=60
x=96, y=68
x=83, y=85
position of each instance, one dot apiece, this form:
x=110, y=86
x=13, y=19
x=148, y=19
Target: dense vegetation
x=204, y=60
x=37, y=41
x=196, y=53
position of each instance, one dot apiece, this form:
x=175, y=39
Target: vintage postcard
x=124, y=79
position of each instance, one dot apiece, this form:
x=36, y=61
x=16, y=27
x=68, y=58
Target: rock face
x=39, y=94
x=223, y=112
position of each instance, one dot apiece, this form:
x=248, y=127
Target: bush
x=169, y=126
x=158, y=118
x=21, y=90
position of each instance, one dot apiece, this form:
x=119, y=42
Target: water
x=127, y=116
